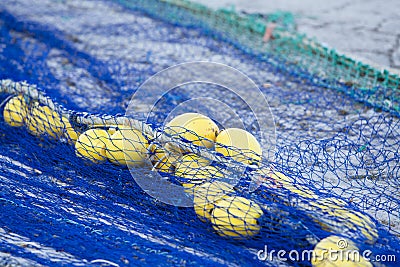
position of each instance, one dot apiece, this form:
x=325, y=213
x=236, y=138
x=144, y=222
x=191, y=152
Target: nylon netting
x=334, y=171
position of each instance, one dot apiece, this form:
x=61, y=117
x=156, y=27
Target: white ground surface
x=365, y=29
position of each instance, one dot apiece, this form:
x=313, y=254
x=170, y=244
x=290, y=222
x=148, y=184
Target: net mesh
x=67, y=197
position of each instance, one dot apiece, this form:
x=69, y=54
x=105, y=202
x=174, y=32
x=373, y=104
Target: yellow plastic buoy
x=15, y=111
x=127, y=147
x=195, y=169
x=336, y=216
x=91, y=145
x=43, y=120
x=69, y=131
x=193, y=127
x=206, y=195
x=334, y=251
x=189, y=162
x=236, y=217
x=195, y=177
x=343, y=217
x=111, y=128
x=162, y=160
x=239, y=144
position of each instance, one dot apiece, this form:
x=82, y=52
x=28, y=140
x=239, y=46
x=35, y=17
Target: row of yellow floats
x=214, y=201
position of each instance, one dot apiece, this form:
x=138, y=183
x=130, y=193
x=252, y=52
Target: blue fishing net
x=333, y=171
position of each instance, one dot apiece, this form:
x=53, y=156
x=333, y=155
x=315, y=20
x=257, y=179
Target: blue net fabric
x=57, y=208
